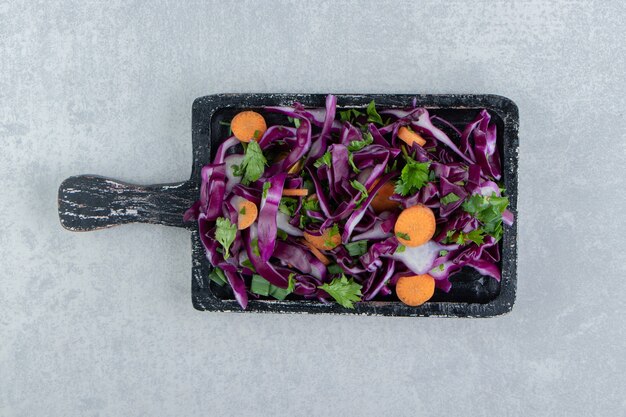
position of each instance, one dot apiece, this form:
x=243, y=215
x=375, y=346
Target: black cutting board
x=89, y=202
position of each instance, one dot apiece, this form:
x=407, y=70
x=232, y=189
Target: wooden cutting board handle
x=89, y=202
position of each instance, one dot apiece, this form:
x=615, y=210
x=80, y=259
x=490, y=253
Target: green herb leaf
x=225, y=234
x=326, y=159
x=488, y=210
x=304, y=220
x=253, y=164
x=288, y=205
x=400, y=249
x=357, y=145
x=333, y=231
x=255, y=247
x=413, y=177
x=403, y=236
x=449, y=198
x=260, y=285
x=349, y=115
x=311, y=204
x=372, y=114
x=477, y=236
x=361, y=188
x=334, y=269
x=351, y=162
x=356, y=248
x=443, y=252
x=248, y=264
x=266, y=187
x=393, y=167
x=218, y=277
x=344, y=291
x=282, y=235
x=282, y=293
x=295, y=121
x=242, y=210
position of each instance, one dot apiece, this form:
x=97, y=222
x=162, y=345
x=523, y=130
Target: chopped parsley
x=253, y=164
x=488, y=210
x=225, y=233
x=349, y=115
x=345, y=291
x=403, y=236
x=357, y=145
x=372, y=114
x=288, y=205
x=326, y=159
x=361, y=188
x=266, y=186
x=413, y=177
x=449, y=198
x=356, y=248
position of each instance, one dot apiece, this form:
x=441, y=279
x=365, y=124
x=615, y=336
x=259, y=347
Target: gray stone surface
x=101, y=324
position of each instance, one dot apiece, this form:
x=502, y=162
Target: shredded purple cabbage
x=345, y=158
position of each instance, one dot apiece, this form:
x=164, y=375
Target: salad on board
x=348, y=205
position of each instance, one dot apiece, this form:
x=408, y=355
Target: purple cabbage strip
x=236, y=283
x=192, y=212
x=377, y=280
x=321, y=197
x=265, y=269
x=356, y=217
x=275, y=133
x=340, y=169
x=377, y=136
x=373, y=258
x=302, y=146
x=448, y=124
x=318, y=148
x=212, y=190
x=248, y=193
x=349, y=133
x=223, y=149
x=446, y=187
x=206, y=230
x=300, y=259
x=267, y=227
x=487, y=155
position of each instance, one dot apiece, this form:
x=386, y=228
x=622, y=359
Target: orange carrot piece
x=295, y=192
x=408, y=136
x=325, y=241
x=415, y=225
x=319, y=255
x=247, y=214
x=381, y=201
x=248, y=125
x=416, y=289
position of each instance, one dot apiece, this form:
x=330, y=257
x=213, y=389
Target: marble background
x=101, y=324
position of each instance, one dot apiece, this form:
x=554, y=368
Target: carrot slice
x=416, y=289
x=381, y=201
x=248, y=213
x=325, y=241
x=415, y=225
x=295, y=192
x=319, y=255
x=248, y=125
x=409, y=137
